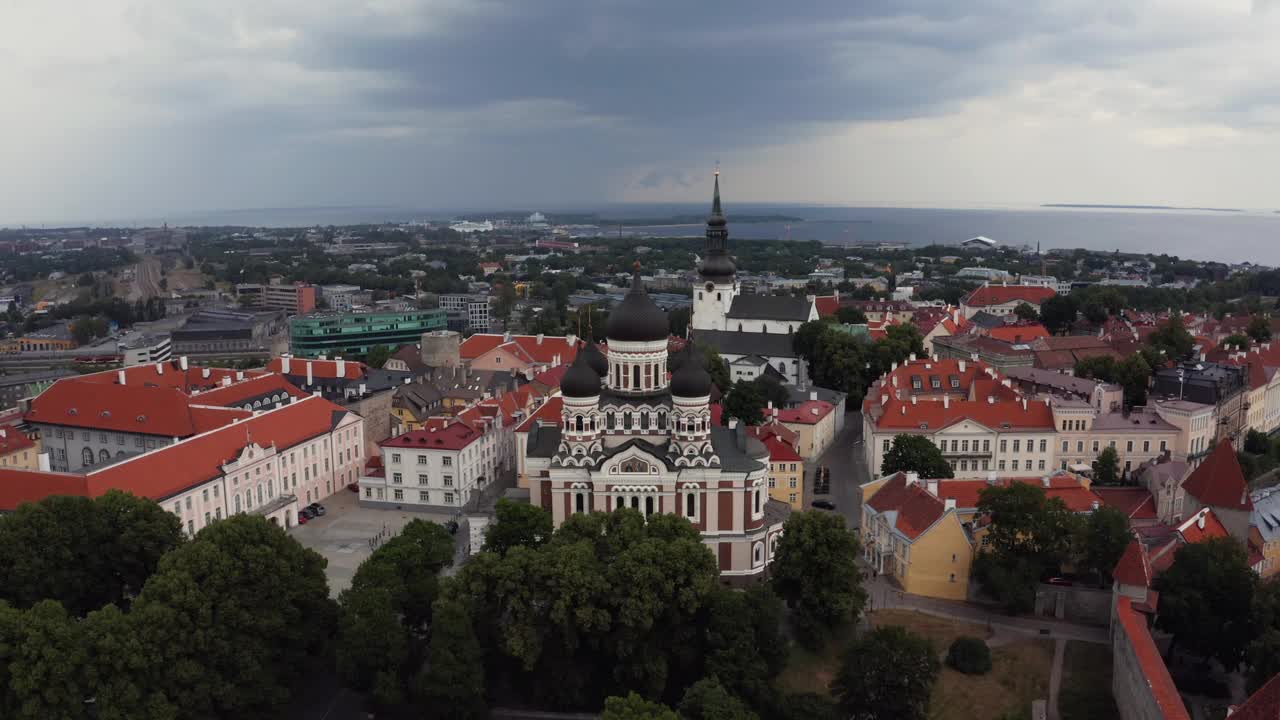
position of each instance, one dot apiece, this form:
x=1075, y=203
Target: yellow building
x=18, y=450
x=915, y=538
x=786, y=473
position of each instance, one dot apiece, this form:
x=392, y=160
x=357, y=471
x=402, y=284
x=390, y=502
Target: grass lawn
x=1086, y=683
x=1020, y=670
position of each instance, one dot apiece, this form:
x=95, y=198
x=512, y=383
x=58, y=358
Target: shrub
x=969, y=655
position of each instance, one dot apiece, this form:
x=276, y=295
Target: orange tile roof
x=12, y=441
x=548, y=411
x=1264, y=704
x=780, y=451
x=1192, y=532
x=1066, y=486
x=1019, y=333
x=551, y=378
x=328, y=369
x=808, y=412
x=169, y=374
x=1000, y=294
x=935, y=415
x=1219, y=481
x=1133, y=568
x=528, y=347
x=1165, y=693
x=172, y=469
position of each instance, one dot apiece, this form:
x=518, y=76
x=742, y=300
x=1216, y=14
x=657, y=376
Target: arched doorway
x=275, y=521
x=288, y=519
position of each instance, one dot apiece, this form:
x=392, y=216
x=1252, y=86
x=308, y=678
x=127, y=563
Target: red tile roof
x=780, y=451
x=917, y=510
x=1066, y=486
x=248, y=389
x=452, y=436
x=551, y=378
x=165, y=374
x=935, y=415
x=549, y=411
x=12, y=441
x=808, y=412
x=531, y=348
x=1137, y=503
x=172, y=469
x=827, y=305
x=1263, y=704
x=1192, y=531
x=1134, y=625
x=1219, y=481
x=327, y=369
x=1001, y=294
x=1019, y=333
x=1133, y=568
x=119, y=408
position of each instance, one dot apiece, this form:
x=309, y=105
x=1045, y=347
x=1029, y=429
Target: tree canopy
x=1059, y=313
x=1205, y=600
x=1106, y=468
x=918, y=454
x=887, y=674
x=744, y=402
x=1029, y=534
x=815, y=572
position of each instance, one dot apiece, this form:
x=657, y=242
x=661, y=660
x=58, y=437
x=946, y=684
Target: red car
x=302, y=519
x=354, y=487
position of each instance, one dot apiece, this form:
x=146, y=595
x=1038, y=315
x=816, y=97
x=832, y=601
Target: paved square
x=343, y=535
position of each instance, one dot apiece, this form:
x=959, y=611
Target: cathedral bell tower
x=719, y=283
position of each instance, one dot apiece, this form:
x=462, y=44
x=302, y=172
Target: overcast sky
x=116, y=108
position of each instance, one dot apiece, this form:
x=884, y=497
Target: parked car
x=317, y=510
x=307, y=513
x=354, y=487
x=824, y=504
x=1065, y=582
x=302, y=519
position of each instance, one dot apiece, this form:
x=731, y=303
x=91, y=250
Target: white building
x=442, y=466
x=341, y=298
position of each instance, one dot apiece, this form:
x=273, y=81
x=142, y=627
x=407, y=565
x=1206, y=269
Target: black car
x=317, y=510
x=824, y=504
x=307, y=513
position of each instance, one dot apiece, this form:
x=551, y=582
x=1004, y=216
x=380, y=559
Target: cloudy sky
x=115, y=108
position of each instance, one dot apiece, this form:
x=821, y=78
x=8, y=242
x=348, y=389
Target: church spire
x=716, y=262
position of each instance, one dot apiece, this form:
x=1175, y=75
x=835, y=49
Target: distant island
x=1138, y=207
x=678, y=220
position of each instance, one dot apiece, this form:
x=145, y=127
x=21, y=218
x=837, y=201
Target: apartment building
x=440, y=467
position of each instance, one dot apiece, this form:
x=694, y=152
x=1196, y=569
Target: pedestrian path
x=1055, y=676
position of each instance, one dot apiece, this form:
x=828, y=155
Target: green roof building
x=333, y=334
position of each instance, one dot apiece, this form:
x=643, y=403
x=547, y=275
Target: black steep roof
x=636, y=318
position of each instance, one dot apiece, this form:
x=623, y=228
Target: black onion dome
x=580, y=380
x=717, y=266
x=595, y=359
x=691, y=379
x=636, y=318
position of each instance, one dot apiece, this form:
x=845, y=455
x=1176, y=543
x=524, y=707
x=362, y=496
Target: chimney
x=1095, y=505
x=991, y=478
x=991, y=399
x=1200, y=520
x=342, y=368
x=932, y=485
x=913, y=357
x=913, y=478
x=539, y=338
x=884, y=400
x=949, y=504
x=182, y=362
x=239, y=375
x=284, y=364
x=946, y=402
x=205, y=373
x=962, y=366
x=894, y=380
x=120, y=375
x=733, y=423
x=1045, y=481
x=43, y=459
x=1024, y=403
x=159, y=368
x=813, y=394
x=310, y=378
x=913, y=399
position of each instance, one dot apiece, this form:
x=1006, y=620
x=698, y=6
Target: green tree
x=1257, y=443
x=707, y=699
x=717, y=368
x=1263, y=653
x=1106, y=468
x=744, y=402
x=815, y=571
x=805, y=339
x=1028, y=535
x=745, y=645
x=232, y=616
x=1059, y=313
x=1101, y=367
x=1237, y=340
x=451, y=683
x=887, y=674
x=1134, y=375
x=1095, y=312
x=373, y=646
x=1205, y=599
x=517, y=524
x=47, y=668
x=915, y=453
x=1026, y=312
x=634, y=707
x=678, y=321
x=378, y=356
x=849, y=315
x=1259, y=328
x=772, y=391
x=1172, y=337
x=506, y=301
x=969, y=655
x=1105, y=538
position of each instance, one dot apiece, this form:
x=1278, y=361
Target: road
x=848, y=471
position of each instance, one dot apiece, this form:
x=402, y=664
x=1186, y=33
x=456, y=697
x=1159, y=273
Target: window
x=204, y=495
x=690, y=505
x=964, y=445
x=1044, y=445
x=422, y=459
x=1001, y=466
x=215, y=491
x=237, y=502
x=397, y=478
x=207, y=518
x=1064, y=445
x=177, y=508
x=191, y=527
x=1095, y=446
x=448, y=498
x=395, y=457
x=986, y=446
x=793, y=483
x=423, y=496
x=964, y=464
x=1041, y=464
x=446, y=461
x=397, y=494
x=368, y=492
x=886, y=446
x=984, y=464
x=1004, y=445
x=772, y=482
x=1146, y=446
x=1163, y=445
x=792, y=498
x=188, y=503
x=422, y=479
x=86, y=456
x=756, y=495
x=1017, y=445
x=137, y=441
x=1128, y=446
x=579, y=502
x=1079, y=446
x=1112, y=444
x=448, y=481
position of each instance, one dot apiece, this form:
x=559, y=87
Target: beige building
x=17, y=450
x=1197, y=425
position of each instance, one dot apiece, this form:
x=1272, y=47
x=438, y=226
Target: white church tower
x=719, y=284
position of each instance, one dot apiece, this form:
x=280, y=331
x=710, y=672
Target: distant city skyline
x=120, y=109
